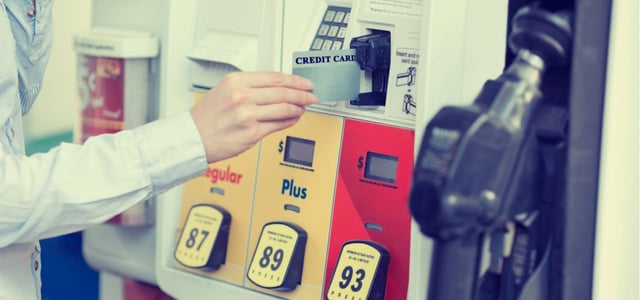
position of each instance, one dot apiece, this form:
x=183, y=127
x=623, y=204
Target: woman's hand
x=245, y=107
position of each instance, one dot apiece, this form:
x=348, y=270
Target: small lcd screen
x=381, y=167
x=299, y=151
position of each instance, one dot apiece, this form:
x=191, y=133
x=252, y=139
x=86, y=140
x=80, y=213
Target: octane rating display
x=203, y=241
x=279, y=256
x=361, y=272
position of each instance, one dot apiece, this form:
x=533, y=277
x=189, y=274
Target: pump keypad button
x=204, y=237
x=361, y=272
x=279, y=256
x=332, y=30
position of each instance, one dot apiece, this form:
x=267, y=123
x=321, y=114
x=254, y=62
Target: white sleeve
x=74, y=186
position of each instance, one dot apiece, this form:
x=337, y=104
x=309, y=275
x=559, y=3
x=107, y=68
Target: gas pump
x=484, y=171
x=316, y=211
x=319, y=210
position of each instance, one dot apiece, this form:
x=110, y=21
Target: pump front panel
x=295, y=188
x=320, y=210
x=370, y=205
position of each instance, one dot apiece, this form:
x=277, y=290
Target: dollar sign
x=360, y=162
x=280, y=147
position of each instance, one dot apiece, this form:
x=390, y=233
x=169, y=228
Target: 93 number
x=266, y=258
x=347, y=276
x=193, y=234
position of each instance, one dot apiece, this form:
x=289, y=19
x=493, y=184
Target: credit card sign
x=334, y=73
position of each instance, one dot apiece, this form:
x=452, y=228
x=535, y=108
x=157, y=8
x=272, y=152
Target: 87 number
x=191, y=241
x=347, y=276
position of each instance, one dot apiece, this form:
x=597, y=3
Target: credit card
x=335, y=73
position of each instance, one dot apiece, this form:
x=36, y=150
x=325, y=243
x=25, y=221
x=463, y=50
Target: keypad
x=332, y=30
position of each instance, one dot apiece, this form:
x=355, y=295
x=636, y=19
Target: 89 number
x=347, y=276
x=266, y=258
x=193, y=234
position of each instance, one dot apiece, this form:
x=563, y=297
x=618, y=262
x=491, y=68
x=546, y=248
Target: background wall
x=55, y=111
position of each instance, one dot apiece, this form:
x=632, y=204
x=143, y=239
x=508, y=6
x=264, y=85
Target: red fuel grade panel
x=371, y=197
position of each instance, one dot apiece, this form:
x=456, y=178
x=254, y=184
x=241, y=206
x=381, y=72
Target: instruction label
x=404, y=70
x=403, y=8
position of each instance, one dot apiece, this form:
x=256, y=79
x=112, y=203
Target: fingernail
x=314, y=98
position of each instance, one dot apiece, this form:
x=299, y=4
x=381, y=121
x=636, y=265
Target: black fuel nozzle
x=472, y=171
x=468, y=154
x=373, y=54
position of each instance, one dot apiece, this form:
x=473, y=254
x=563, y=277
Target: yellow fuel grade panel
x=295, y=184
x=228, y=184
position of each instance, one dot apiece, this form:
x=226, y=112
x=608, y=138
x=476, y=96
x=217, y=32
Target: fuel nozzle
x=468, y=154
x=472, y=172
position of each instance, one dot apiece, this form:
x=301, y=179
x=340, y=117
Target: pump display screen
x=299, y=151
x=381, y=167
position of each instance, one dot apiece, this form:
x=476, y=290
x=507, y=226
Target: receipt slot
x=227, y=188
x=374, y=177
x=293, y=201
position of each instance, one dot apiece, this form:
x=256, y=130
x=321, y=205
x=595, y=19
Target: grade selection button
x=279, y=257
x=204, y=238
x=361, y=272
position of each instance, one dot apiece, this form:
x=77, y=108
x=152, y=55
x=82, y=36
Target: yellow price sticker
x=204, y=237
x=361, y=272
x=279, y=256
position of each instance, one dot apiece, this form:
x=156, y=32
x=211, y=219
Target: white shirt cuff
x=171, y=150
